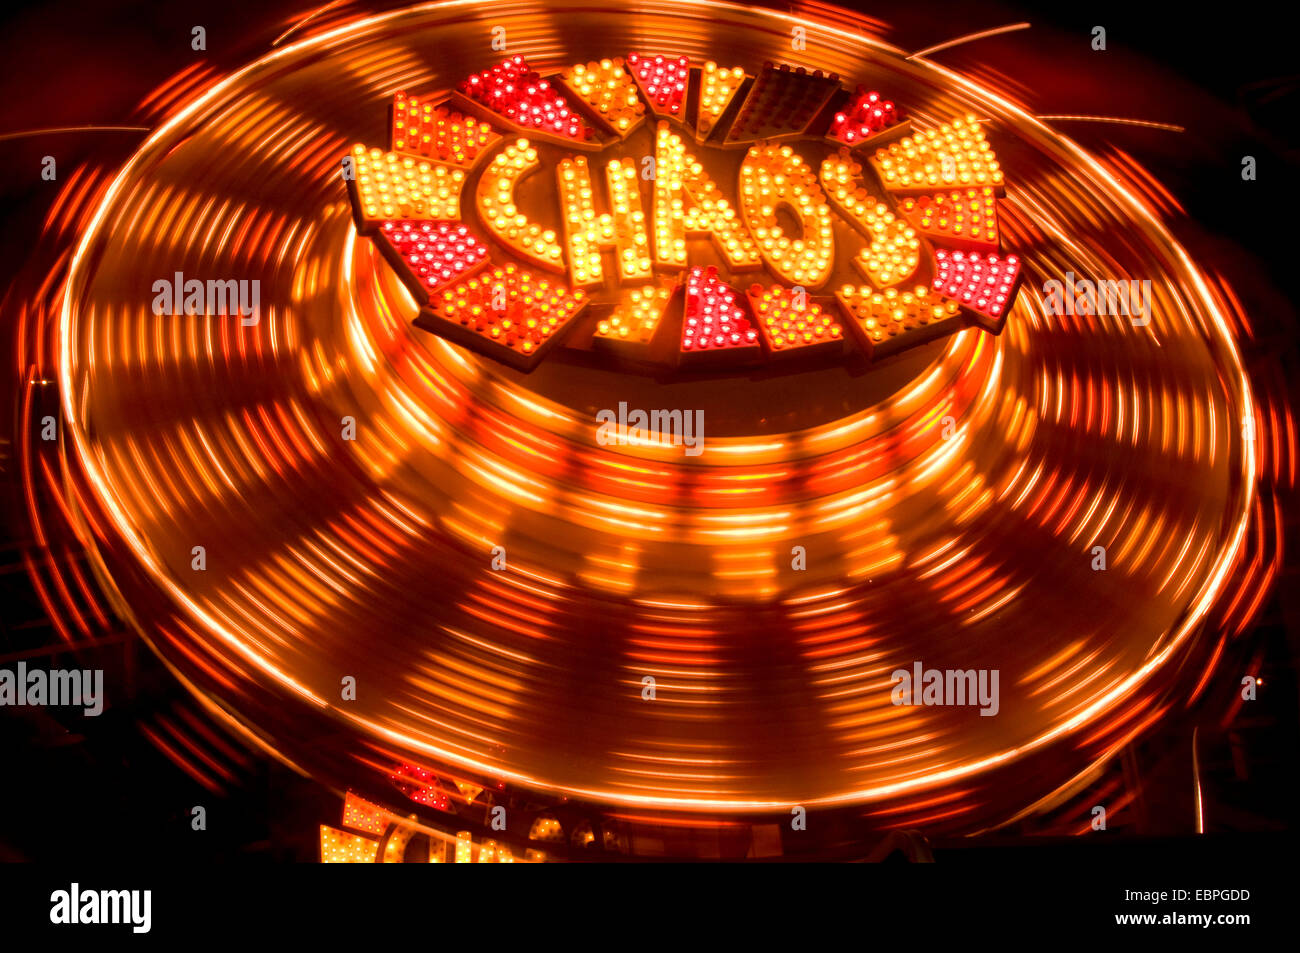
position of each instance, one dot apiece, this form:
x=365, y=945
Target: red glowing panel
x=865, y=116
x=714, y=321
x=514, y=91
x=510, y=314
x=792, y=323
x=662, y=80
x=985, y=284
x=420, y=786
x=782, y=102
x=963, y=218
x=435, y=132
x=433, y=253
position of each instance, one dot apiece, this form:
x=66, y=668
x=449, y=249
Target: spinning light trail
x=948, y=500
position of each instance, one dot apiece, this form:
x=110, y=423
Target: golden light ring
x=295, y=621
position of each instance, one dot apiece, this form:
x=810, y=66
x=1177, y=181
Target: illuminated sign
x=656, y=209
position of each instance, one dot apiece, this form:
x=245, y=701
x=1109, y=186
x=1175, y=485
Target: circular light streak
x=947, y=507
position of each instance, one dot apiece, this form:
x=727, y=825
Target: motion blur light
x=941, y=475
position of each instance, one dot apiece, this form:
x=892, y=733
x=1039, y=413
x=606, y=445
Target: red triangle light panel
x=866, y=115
x=663, y=81
x=433, y=253
x=714, y=322
x=513, y=90
x=984, y=284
